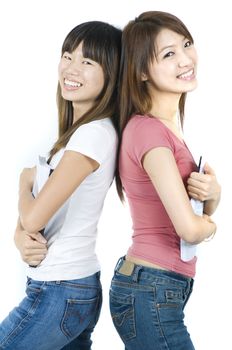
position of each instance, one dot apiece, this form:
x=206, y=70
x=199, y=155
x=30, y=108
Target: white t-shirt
x=72, y=231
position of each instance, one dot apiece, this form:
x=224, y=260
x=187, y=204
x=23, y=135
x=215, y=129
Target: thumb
x=208, y=169
x=39, y=237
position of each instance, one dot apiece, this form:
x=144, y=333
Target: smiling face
x=81, y=79
x=173, y=69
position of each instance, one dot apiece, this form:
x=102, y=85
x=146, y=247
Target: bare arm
x=32, y=246
x=160, y=165
x=35, y=213
x=205, y=187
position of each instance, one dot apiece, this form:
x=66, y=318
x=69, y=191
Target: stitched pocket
x=78, y=314
x=122, y=312
x=170, y=303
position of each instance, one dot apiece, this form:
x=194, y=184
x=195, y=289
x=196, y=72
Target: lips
x=189, y=75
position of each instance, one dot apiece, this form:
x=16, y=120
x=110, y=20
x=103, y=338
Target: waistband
x=128, y=268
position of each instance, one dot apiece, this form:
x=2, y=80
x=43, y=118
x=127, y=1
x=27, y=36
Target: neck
x=165, y=106
x=165, y=113
x=79, y=110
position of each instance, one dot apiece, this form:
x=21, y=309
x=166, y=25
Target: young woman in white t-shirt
x=61, y=198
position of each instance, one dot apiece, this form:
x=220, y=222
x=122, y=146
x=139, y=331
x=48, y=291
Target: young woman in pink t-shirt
x=158, y=174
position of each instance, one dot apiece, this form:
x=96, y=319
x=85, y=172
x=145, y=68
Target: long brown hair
x=101, y=42
x=138, y=51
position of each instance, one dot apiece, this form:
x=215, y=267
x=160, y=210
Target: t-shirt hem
x=58, y=275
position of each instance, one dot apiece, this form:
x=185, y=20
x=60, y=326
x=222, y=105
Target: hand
x=208, y=218
x=32, y=246
x=27, y=177
x=204, y=186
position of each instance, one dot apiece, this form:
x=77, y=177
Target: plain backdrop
x=31, y=34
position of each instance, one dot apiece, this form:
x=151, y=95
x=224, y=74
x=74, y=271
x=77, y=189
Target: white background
x=31, y=37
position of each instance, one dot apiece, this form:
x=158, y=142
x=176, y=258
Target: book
x=189, y=251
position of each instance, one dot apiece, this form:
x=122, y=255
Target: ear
x=144, y=77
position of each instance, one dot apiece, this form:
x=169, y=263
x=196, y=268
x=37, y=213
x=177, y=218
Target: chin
x=191, y=87
x=66, y=96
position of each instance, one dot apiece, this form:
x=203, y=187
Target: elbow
x=30, y=224
x=190, y=234
x=191, y=238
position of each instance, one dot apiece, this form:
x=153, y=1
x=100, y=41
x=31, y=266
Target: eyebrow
x=164, y=48
x=169, y=46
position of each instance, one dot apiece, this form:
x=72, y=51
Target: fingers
x=33, y=254
x=208, y=169
x=38, y=237
x=198, y=190
x=200, y=177
x=32, y=250
x=201, y=186
x=34, y=260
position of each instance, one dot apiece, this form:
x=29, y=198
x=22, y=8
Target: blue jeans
x=54, y=315
x=147, y=306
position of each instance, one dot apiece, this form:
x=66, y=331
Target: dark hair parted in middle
x=101, y=42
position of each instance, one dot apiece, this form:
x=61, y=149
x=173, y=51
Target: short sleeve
x=149, y=133
x=93, y=140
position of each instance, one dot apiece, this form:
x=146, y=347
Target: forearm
x=25, y=205
x=211, y=205
x=31, y=246
x=18, y=229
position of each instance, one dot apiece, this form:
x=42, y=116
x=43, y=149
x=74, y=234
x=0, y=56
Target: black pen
x=199, y=165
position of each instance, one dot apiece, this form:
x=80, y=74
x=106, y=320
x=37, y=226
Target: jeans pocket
x=122, y=313
x=170, y=304
x=78, y=314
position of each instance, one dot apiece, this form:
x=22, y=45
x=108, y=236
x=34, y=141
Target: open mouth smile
x=72, y=84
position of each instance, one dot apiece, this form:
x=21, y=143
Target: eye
x=86, y=62
x=169, y=54
x=67, y=56
x=188, y=43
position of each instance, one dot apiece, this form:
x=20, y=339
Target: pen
x=199, y=165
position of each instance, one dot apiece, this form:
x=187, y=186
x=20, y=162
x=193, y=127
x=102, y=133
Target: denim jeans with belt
x=54, y=315
x=147, y=306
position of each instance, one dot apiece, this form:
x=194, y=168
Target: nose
x=73, y=68
x=184, y=59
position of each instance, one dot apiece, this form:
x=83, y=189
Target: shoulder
x=101, y=128
x=144, y=133
x=97, y=139
x=143, y=127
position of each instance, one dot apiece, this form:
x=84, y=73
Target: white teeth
x=186, y=75
x=72, y=83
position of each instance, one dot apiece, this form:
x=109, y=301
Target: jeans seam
x=21, y=325
x=133, y=285
x=160, y=328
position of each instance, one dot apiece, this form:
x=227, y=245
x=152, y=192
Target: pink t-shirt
x=154, y=237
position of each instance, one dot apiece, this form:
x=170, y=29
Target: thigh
x=50, y=316
x=132, y=312
x=169, y=304
x=20, y=320
x=82, y=342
